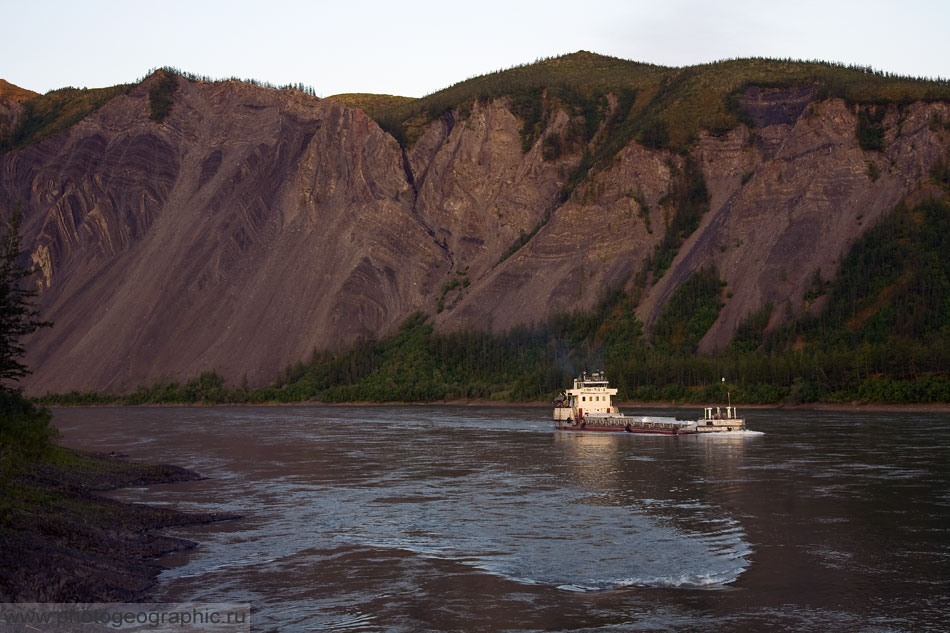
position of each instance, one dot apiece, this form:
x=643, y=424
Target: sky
x=416, y=48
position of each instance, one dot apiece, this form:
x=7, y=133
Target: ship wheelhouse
x=590, y=394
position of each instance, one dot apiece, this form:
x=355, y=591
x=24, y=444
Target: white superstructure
x=590, y=395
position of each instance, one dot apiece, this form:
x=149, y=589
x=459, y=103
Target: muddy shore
x=61, y=541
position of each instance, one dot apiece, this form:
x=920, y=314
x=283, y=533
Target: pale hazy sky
x=417, y=47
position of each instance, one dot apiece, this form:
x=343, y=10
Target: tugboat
x=587, y=407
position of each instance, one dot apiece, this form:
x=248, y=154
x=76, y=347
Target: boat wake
x=554, y=537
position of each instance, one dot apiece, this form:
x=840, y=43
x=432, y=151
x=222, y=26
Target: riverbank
x=870, y=407
x=64, y=542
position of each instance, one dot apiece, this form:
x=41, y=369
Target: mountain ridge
x=10, y=92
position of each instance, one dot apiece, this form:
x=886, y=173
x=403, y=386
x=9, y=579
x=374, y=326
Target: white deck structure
x=590, y=394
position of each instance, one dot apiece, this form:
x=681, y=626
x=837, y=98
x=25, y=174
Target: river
x=441, y=518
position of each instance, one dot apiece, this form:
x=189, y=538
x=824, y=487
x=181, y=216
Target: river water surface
x=438, y=518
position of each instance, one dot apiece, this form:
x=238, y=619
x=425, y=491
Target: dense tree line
x=302, y=87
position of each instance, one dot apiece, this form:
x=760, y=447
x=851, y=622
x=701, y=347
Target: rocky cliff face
x=249, y=228
x=790, y=202
x=253, y=226
x=787, y=199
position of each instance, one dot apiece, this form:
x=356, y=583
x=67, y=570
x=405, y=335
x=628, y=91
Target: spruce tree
x=18, y=313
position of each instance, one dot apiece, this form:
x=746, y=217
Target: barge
x=587, y=407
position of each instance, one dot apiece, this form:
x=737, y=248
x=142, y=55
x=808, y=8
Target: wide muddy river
x=440, y=518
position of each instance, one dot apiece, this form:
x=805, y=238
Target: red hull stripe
x=606, y=429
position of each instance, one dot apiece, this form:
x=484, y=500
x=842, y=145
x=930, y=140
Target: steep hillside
x=247, y=228
x=183, y=226
x=28, y=117
x=9, y=92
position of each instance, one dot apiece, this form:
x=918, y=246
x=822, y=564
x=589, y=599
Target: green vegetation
x=161, y=96
x=817, y=288
x=884, y=334
x=748, y=336
x=458, y=284
x=24, y=429
x=56, y=111
x=372, y=104
x=870, y=130
x=300, y=87
x=25, y=432
x=892, y=290
x=689, y=314
x=18, y=315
